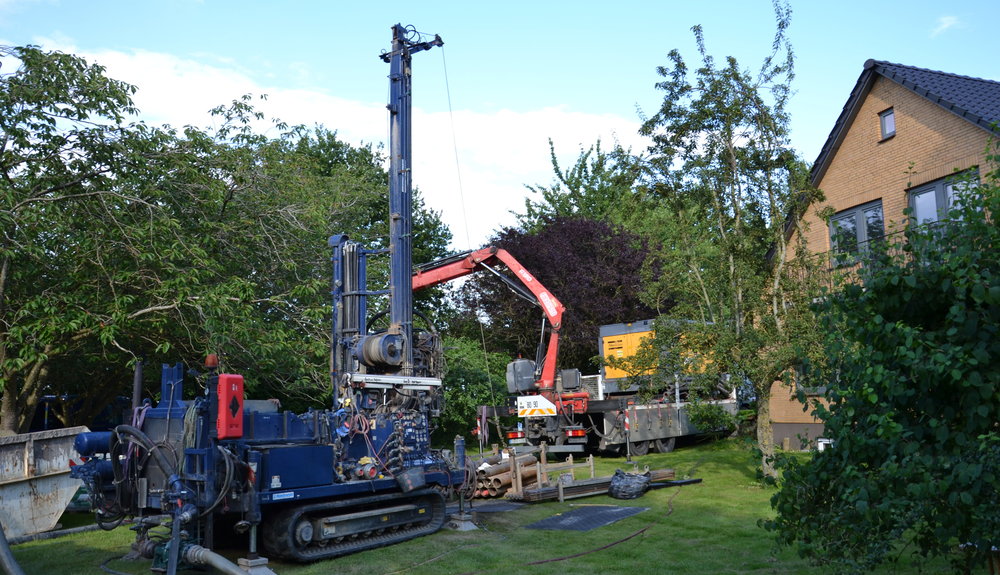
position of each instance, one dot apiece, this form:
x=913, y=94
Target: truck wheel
x=666, y=445
x=639, y=447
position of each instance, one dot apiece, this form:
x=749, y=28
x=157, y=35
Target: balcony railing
x=836, y=268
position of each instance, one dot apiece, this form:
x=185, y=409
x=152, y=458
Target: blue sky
x=511, y=75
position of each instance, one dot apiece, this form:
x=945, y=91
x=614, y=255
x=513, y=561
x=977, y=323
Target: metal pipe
x=401, y=187
x=460, y=462
x=137, y=385
x=505, y=465
x=175, y=542
x=508, y=477
x=7, y=560
x=491, y=460
x=400, y=196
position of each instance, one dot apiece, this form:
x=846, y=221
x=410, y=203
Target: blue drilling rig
x=356, y=475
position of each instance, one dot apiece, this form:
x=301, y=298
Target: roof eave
x=847, y=115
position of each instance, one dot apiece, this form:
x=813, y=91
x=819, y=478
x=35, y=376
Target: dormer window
x=887, y=120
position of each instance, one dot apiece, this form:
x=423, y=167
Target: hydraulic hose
x=144, y=440
x=170, y=470
x=7, y=560
x=198, y=555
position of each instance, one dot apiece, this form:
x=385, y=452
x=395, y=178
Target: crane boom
x=489, y=258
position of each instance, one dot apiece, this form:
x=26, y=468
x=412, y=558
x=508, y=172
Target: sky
x=511, y=76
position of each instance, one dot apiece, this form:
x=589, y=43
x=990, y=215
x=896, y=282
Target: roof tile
x=976, y=99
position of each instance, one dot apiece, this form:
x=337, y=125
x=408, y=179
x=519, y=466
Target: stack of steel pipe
x=480, y=464
x=493, y=480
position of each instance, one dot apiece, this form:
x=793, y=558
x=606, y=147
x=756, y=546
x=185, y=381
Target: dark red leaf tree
x=594, y=268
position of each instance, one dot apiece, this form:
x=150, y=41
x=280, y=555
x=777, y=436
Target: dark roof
x=972, y=99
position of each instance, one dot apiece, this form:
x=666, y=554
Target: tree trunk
x=21, y=394
x=9, y=416
x=8, y=407
x=765, y=434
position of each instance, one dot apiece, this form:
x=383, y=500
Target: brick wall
x=785, y=406
x=865, y=168
x=930, y=143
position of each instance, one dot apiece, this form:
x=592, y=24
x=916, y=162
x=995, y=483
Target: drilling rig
x=356, y=475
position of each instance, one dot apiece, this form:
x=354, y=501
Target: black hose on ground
x=7, y=561
x=46, y=535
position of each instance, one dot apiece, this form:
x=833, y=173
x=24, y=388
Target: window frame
x=883, y=116
x=856, y=213
x=944, y=190
x=805, y=385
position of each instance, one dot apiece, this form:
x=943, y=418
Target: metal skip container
x=35, y=485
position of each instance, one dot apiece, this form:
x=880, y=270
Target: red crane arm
x=452, y=268
x=448, y=269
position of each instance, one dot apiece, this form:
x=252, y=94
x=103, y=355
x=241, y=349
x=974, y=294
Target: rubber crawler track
x=279, y=538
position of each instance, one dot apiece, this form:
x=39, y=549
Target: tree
x=122, y=240
x=592, y=267
x=731, y=186
x=265, y=226
x=473, y=377
x=601, y=186
x=65, y=179
x=914, y=399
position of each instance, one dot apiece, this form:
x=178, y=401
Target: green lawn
x=705, y=528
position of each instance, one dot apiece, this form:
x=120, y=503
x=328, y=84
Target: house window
x=808, y=381
x=887, y=120
x=851, y=230
x=931, y=202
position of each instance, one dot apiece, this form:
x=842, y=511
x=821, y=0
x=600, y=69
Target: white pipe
x=201, y=556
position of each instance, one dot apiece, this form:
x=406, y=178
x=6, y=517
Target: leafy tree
x=122, y=240
x=730, y=186
x=67, y=166
x=282, y=199
x=474, y=377
x=592, y=267
x=600, y=186
x=355, y=169
x=914, y=403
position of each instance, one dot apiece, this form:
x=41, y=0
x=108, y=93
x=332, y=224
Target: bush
x=711, y=417
x=914, y=404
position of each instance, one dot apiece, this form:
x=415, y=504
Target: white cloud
x=498, y=152
x=944, y=23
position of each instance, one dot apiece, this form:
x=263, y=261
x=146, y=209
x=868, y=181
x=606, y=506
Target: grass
x=705, y=528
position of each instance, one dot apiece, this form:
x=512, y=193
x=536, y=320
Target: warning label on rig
x=534, y=406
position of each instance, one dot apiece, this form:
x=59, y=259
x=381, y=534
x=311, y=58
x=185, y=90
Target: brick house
x=904, y=139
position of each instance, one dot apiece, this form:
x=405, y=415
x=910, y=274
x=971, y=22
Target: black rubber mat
x=587, y=517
